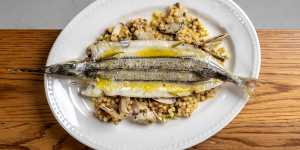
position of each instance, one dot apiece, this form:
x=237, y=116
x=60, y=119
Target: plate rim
x=188, y=142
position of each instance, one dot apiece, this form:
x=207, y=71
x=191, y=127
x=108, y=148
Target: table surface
x=271, y=120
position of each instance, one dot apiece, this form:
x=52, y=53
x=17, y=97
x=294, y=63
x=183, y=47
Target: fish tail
x=248, y=84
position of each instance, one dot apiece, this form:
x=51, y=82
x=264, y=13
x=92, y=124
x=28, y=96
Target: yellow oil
x=158, y=52
x=110, y=52
x=172, y=88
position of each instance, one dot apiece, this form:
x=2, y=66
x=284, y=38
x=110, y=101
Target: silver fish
x=146, y=89
x=148, y=75
x=142, y=48
x=203, y=69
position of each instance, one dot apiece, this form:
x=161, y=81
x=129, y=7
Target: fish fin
x=218, y=38
x=176, y=44
x=111, y=54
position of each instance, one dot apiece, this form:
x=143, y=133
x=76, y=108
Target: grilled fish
x=150, y=89
x=203, y=69
x=154, y=48
x=148, y=75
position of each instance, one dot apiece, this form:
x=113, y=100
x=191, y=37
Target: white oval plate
x=75, y=114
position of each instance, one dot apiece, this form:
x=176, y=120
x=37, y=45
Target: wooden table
x=271, y=120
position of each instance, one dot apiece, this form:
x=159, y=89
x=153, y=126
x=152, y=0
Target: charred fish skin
x=138, y=63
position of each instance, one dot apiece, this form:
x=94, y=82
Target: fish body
x=140, y=48
x=130, y=68
x=135, y=68
x=146, y=69
x=150, y=89
x=149, y=75
x=156, y=48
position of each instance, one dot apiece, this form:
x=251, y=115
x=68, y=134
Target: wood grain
x=271, y=120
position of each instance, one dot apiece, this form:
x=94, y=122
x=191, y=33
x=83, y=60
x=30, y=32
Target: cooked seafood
x=154, y=48
x=150, y=89
x=149, y=75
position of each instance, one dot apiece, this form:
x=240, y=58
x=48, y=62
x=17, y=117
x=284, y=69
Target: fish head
x=72, y=68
